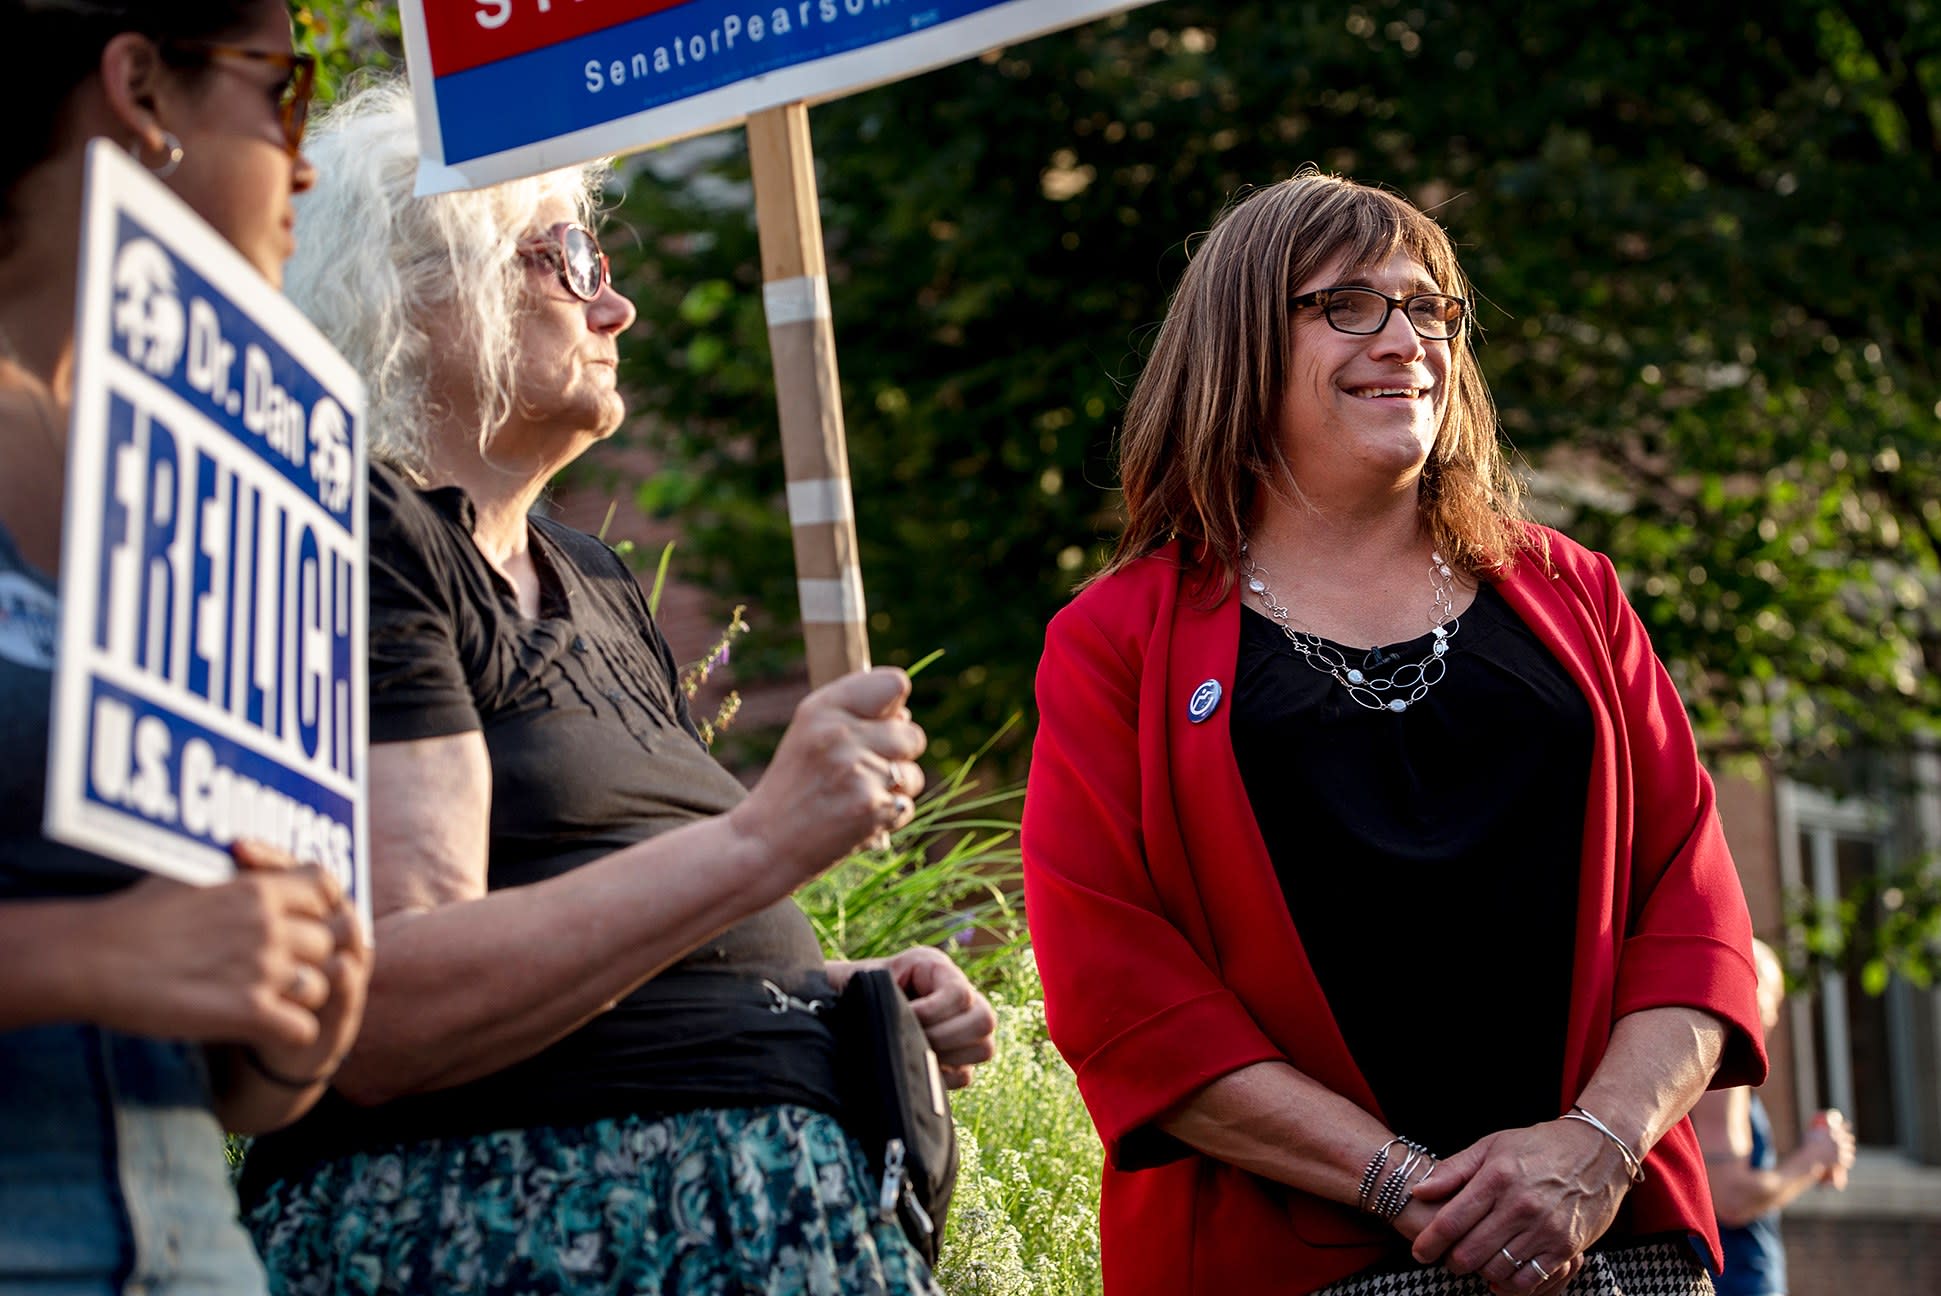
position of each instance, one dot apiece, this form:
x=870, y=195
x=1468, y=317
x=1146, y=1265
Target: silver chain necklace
x=1404, y=686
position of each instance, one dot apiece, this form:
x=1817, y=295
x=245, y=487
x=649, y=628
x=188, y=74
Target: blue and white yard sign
x=211, y=675
x=509, y=88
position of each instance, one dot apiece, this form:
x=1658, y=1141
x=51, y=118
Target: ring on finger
x=1542, y=1273
x=901, y=805
x=1515, y=1264
x=893, y=777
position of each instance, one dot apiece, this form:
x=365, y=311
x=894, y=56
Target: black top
x=592, y=749
x=1430, y=861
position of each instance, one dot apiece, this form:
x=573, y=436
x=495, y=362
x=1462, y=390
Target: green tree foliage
x=1703, y=240
x=348, y=36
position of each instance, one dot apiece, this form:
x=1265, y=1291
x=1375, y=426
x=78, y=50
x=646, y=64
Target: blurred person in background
x=1382, y=904
x=138, y=1015
x=1751, y=1182
x=596, y=1057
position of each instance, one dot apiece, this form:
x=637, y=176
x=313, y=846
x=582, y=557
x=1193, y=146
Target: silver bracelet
x=1404, y=1191
x=1374, y=1170
x=1633, y=1163
x=1395, y=1193
x=1392, y=1187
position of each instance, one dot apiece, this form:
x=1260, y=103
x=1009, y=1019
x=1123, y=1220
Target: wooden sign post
x=808, y=395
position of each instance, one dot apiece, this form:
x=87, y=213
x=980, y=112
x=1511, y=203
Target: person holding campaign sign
x=596, y=1056
x=138, y=1015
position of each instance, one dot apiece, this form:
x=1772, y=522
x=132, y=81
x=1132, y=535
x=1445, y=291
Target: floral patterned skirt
x=731, y=1201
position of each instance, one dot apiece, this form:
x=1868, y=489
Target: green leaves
x=345, y=36
x=949, y=878
x=1024, y=1220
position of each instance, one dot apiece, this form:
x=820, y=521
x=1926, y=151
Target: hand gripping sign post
x=508, y=88
x=211, y=678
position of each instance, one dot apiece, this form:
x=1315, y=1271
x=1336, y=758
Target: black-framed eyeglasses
x=575, y=253
x=1362, y=311
x=293, y=94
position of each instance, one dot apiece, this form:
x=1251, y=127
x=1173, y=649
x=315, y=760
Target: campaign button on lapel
x=1205, y=698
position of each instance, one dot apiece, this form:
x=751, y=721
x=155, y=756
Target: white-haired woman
x=592, y=1059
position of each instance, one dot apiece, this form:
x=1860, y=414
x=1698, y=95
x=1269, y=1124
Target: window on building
x=1864, y=1047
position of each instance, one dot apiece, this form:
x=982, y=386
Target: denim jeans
x=112, y=1177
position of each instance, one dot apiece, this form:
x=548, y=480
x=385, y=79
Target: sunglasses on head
x=299, y=79
x=575, y=253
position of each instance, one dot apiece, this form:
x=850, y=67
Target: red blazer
x=1169, y=958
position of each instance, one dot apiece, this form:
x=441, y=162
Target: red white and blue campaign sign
x=211, y=676
x=509, y=88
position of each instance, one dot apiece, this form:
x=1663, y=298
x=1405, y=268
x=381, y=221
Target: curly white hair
x=401, y=283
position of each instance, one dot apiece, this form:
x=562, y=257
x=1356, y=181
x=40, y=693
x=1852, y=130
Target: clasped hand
x=273, y=960
x=1519, y=1207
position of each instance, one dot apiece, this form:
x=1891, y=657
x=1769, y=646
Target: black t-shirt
x=592, y=749
x=1430, y=861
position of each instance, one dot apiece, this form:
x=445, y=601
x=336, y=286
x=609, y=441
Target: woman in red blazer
x=1383, y=969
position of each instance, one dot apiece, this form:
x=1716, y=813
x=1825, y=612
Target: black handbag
x=893, y=1103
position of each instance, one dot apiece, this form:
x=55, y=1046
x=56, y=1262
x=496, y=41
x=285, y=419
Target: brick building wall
x=1838, y=1248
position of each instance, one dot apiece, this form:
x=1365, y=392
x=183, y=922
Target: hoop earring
x=171, y=152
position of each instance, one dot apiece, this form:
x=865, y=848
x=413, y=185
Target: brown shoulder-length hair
x=1201, y=429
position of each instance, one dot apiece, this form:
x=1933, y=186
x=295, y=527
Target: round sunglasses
x=575, y=253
